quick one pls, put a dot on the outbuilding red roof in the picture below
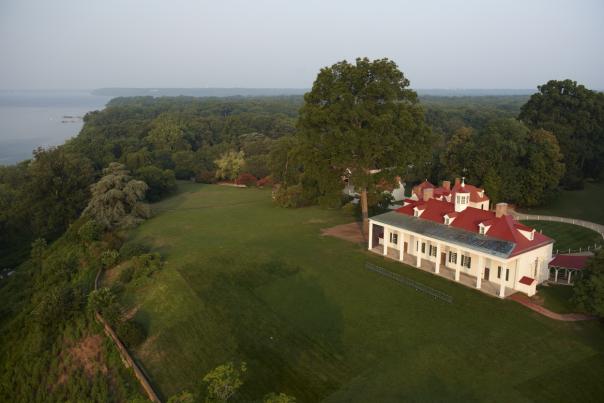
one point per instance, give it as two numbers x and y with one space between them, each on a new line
504 227
569 262
527 280
477 195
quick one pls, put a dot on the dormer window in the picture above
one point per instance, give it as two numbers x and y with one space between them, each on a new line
482 229
447 220
415 212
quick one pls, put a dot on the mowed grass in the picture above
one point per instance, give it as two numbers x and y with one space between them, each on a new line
567 236
585 204
557 298
245 280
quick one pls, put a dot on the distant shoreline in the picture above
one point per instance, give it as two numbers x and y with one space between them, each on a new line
251 92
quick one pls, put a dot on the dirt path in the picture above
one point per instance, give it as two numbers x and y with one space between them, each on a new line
350 232
569 317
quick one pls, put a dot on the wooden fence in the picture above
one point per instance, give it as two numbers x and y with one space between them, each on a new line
436 294
124 354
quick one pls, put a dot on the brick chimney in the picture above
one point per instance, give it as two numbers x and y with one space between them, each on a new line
457 182
447 185
501 209
428 194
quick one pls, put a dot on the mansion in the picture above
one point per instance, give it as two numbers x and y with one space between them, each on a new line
451 232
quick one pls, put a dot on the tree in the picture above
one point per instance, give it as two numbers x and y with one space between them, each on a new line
589 290
229 165
56 190
575 115
116 199
459 151
360 117
104 301
160 182
224 380
167 133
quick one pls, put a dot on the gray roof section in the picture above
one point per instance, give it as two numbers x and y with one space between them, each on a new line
457 236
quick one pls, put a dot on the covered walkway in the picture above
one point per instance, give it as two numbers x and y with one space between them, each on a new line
564 268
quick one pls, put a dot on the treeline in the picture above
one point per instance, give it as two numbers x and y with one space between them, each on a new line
158 139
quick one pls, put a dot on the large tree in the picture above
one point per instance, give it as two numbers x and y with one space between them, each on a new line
575 115
360 117
589 290
117 199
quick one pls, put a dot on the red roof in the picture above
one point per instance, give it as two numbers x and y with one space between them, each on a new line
569 262
527 280
440 191
504 227
472 190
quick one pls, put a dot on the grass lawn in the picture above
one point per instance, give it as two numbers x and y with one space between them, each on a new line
583 204
245 280
556 298
567 235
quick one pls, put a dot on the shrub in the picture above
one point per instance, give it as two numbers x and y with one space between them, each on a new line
206 177
90 231
131 249
246 179
147 264
130 332
109 258
266 181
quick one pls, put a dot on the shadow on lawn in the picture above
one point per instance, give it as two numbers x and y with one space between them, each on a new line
290 339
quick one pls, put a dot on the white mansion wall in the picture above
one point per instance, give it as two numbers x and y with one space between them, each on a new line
525 263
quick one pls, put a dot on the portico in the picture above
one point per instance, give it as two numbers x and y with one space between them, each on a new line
478 270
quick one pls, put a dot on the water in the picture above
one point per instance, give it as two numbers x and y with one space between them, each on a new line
31 119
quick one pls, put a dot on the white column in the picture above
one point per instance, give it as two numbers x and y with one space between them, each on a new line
418 252
370 243
569 273
386 239
458 265
401 240
479 272
437 263
502 282
556 276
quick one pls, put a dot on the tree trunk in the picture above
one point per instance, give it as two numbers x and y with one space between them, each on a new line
365 212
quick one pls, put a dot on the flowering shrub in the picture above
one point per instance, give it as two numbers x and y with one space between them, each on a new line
266 181
246 179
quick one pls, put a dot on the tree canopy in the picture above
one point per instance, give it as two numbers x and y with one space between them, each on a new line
357 118
575 115
117 199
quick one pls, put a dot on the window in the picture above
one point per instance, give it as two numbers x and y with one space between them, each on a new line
466 261
481 229
393 238
423 247
446 220
416 213
452 257
432 250
499 272
507 274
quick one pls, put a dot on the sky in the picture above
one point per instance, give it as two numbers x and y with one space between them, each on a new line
470 44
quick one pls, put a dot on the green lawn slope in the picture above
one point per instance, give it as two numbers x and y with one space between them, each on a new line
245 280
567 236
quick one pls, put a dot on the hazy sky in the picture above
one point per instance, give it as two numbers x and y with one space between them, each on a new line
237 43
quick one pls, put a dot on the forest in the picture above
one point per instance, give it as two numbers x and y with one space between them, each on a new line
59 223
